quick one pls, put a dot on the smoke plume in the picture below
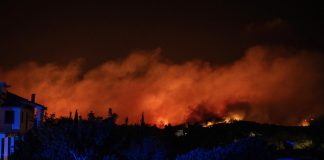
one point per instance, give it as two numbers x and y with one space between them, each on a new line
266 85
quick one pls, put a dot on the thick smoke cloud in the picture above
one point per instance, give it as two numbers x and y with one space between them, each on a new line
266 85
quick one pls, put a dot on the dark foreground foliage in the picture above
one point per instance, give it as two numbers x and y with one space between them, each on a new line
245 149
101 139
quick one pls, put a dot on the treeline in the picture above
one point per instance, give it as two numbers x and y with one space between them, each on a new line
97 138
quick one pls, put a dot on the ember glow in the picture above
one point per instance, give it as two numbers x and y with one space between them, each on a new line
161 123
266 85
304 123
227 119
233 117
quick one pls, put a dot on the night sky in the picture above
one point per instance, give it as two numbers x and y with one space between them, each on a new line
216 31
175 61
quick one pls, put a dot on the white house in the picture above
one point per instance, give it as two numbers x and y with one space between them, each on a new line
17 116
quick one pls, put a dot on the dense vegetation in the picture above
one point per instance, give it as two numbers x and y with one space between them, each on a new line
102 139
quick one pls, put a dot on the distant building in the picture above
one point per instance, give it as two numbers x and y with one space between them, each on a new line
17 116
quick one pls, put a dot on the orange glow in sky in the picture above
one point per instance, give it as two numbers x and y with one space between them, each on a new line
271 86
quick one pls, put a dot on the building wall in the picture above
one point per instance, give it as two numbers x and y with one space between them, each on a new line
21 124
7 146
26 123
4 127
2 136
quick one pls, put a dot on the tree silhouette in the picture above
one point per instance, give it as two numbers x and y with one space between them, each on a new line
76 119
126 121
91 116
142 120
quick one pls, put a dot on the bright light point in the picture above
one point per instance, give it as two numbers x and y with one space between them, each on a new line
161 122
209 124
304 123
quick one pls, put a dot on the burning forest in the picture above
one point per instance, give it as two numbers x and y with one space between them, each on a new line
267 85
157 80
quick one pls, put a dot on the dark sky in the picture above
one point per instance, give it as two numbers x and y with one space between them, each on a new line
277 89
217 31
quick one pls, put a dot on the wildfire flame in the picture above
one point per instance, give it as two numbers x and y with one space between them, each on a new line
269 82
304 123
161 122
229 119
233 117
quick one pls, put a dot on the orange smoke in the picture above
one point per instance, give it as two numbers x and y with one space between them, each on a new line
263 86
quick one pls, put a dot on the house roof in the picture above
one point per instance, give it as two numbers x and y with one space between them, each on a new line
15 100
